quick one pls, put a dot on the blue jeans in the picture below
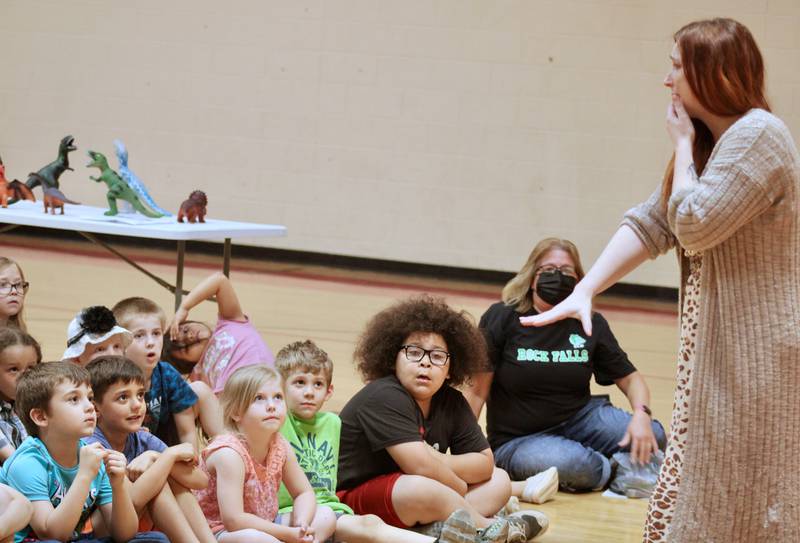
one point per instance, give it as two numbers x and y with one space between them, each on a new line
141 537
579 447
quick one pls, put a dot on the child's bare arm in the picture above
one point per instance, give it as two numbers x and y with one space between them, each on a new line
188 475
207 409
184 425
414 459
153 479
303 498
217 285
120 515
230 472
472 468
58 522
5 452
15 512
139 465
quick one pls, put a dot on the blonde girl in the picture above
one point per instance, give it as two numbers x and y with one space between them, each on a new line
246 466
12 294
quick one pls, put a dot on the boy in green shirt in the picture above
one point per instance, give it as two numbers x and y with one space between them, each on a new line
307 373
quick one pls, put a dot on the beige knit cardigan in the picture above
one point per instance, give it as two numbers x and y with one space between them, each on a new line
741 479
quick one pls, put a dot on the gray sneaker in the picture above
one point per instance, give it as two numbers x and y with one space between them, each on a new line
458 528
526 525
511 506
496 532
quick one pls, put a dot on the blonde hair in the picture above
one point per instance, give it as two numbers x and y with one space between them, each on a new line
17 320
304 356
241 389
518 291
129 308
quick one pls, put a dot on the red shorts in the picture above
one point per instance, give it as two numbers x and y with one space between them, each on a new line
374 497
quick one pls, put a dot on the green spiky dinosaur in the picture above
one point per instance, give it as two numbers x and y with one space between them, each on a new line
117 188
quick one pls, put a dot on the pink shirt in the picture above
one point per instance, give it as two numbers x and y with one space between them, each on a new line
233 345
261 481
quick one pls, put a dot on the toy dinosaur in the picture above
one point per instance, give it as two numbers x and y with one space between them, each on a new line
117 188
48 176
194 208
133 181
54 198
12 190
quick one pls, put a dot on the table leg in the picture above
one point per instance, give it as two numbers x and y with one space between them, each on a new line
179 274
226 258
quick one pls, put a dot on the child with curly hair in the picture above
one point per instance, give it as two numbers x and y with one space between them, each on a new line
411 450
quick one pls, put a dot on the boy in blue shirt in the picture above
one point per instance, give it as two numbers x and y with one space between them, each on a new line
172 403
161 475
65 479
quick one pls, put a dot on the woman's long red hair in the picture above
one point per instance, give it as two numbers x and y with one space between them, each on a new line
725 70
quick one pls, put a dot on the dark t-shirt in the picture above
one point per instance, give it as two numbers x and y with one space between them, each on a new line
169 394
541 375
383 414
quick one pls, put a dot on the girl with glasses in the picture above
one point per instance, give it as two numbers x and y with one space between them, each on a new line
12 294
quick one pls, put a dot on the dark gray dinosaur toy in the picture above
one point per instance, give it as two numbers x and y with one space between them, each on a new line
48 176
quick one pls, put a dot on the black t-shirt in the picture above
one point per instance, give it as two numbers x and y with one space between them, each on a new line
541 375
383 414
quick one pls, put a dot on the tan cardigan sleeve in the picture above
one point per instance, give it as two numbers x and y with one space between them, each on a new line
738 185
648 221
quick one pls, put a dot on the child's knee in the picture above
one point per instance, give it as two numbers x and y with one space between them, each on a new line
368 523
325 519
423 494
500 478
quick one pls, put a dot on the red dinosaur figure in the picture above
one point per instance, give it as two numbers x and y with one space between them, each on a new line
194 208
12 190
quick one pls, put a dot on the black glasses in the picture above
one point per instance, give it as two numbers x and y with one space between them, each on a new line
21 288
550 268
415 353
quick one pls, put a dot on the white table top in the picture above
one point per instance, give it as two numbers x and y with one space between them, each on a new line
91 219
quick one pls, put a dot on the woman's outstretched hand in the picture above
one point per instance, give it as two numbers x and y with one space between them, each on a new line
577 305
679 124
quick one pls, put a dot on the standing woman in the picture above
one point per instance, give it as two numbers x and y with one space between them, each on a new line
729 204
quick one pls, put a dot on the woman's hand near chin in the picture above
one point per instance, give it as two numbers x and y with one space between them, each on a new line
577 305
679 124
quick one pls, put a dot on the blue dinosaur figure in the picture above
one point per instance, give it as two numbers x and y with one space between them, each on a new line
133 181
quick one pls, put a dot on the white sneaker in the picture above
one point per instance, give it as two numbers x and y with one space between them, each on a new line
542 487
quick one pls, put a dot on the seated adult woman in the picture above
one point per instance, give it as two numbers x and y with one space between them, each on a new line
540 412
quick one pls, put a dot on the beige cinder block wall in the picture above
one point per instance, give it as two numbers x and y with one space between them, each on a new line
450 132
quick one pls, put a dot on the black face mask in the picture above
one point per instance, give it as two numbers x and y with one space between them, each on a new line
553 287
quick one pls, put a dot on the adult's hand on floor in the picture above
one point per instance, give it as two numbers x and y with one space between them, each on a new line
639 435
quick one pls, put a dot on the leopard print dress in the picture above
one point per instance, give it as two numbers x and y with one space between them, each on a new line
665 494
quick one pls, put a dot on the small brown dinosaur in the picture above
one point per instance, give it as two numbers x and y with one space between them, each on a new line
194 208
54 198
